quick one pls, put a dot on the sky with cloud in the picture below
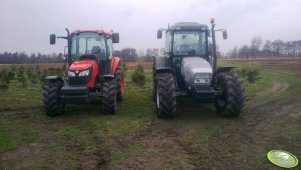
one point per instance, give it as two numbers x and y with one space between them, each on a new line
25 25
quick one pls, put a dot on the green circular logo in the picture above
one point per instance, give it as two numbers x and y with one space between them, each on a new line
282 158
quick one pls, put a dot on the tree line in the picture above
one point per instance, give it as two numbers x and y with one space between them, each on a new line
131 54
126 54
23 58
258 48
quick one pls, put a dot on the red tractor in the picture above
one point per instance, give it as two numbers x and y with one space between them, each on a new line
94 72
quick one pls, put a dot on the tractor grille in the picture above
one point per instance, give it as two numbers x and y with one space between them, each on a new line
76 80
79 80
204 89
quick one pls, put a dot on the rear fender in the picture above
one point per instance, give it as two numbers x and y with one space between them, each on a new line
114 64
53 79
108 77
163 70
161 65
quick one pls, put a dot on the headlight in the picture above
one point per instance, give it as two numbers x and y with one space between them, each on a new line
202 81
202 78
71 74
84 73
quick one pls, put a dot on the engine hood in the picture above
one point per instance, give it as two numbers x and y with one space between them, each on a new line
196 67
82 65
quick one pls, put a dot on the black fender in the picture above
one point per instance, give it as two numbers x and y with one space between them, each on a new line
53 79
108 77
163 70
161 65
223 69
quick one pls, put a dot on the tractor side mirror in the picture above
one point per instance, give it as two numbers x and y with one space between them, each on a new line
115 37
225 35
159 34
52 38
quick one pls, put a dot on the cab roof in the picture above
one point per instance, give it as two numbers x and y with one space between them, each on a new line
187 26
93 31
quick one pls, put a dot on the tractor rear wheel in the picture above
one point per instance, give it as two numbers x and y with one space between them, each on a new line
231 101
119 82
165 95
53 103
109 96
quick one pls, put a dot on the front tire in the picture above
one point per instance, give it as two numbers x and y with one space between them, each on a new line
119 83
109 96
231 102
165 95
52 101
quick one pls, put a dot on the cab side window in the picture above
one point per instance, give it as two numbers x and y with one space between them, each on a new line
110 47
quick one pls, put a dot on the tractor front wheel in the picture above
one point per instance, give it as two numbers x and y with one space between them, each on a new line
53 103
119 82
165 95
109 96
231 101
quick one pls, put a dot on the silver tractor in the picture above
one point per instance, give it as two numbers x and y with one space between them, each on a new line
188 69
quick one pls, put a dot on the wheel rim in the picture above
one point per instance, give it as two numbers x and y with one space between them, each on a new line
157 98
221 100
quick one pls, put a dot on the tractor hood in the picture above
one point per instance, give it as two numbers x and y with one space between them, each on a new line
82 65
196 71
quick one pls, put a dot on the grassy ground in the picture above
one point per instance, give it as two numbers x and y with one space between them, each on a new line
85 138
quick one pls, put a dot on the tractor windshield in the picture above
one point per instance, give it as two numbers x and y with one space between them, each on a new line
88 43
189 43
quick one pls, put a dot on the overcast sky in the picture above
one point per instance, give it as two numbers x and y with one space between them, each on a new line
25 25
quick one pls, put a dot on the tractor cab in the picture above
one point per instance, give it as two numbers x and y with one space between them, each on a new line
95 46
90 46
186 39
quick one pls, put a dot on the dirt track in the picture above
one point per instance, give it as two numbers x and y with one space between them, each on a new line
240 144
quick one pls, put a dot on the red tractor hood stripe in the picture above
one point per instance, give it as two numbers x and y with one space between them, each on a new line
81 65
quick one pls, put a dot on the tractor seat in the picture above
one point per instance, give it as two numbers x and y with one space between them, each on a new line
98 52
95 50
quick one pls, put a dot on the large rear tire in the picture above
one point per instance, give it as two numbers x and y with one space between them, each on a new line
165 95
109 96
119 82
52 101
154 81
231 102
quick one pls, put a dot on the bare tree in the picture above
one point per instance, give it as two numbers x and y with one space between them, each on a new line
267 48
244 51
277 47
256 43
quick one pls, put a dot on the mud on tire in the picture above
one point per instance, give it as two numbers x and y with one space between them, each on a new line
231 102
109 96
52 102
165 95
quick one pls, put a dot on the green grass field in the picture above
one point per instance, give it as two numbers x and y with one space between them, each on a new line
84 137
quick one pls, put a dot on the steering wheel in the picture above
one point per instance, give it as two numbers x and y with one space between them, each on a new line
95 52
192 52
